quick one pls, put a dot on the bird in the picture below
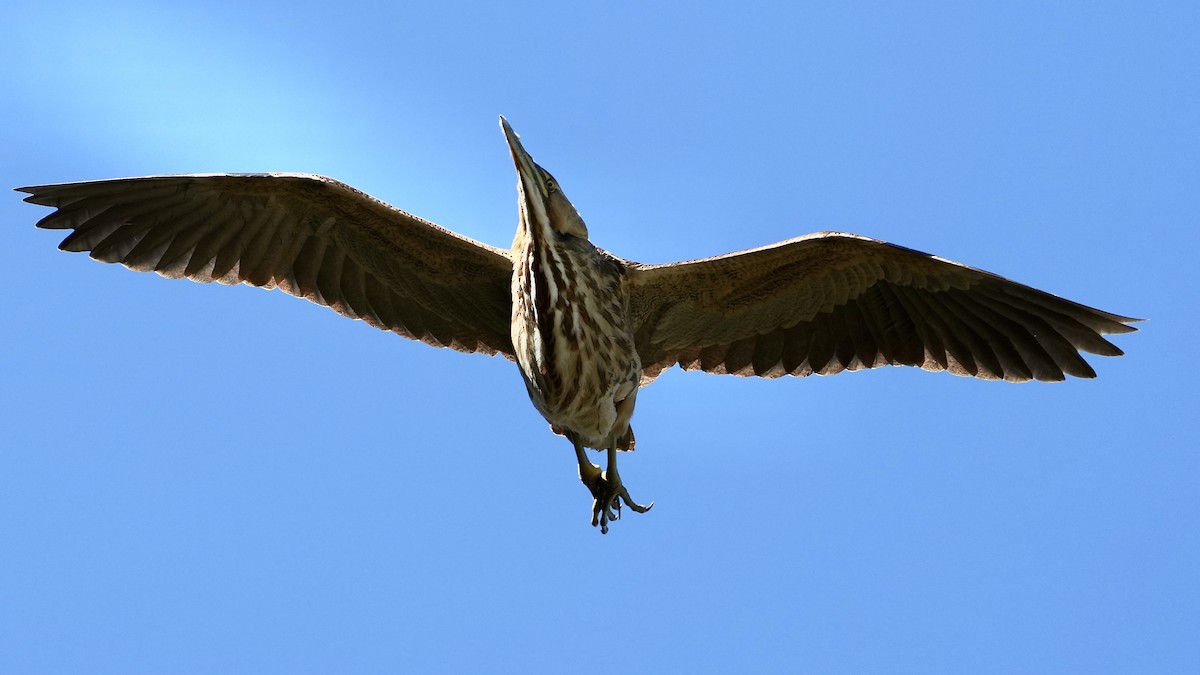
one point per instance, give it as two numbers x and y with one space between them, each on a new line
586 329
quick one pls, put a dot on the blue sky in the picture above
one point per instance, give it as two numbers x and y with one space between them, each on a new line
197 478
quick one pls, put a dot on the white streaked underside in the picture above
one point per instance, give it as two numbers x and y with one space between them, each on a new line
570 315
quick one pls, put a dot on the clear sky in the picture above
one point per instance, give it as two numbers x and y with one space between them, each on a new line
196 478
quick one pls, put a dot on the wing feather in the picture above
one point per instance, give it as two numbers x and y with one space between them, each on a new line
311 236
830 302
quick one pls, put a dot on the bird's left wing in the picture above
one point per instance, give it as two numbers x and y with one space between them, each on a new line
311 236
830 302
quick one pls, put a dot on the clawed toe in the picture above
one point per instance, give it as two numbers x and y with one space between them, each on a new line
637 508
608 495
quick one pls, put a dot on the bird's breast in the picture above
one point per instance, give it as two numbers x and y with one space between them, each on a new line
573 342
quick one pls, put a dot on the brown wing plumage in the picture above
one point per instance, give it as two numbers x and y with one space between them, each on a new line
830 302
310 236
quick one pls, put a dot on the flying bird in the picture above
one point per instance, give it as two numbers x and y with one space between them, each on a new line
586 329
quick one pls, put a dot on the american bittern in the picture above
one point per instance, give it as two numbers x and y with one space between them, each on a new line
586 328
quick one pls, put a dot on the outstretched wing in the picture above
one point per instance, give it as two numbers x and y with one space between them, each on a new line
310 236
830 302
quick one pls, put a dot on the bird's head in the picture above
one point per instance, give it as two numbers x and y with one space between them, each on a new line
544 207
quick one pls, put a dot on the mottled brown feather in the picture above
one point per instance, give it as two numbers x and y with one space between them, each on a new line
829 302
310 236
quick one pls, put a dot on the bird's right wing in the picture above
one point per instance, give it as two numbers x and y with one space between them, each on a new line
830 302
310 236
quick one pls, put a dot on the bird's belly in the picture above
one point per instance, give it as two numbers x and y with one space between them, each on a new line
583 379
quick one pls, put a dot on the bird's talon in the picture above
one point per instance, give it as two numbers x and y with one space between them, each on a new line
637 508
609 495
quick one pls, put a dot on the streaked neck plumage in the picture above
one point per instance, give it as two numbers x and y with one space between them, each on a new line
570 325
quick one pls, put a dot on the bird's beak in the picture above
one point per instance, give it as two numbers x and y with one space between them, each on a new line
542 202
527 170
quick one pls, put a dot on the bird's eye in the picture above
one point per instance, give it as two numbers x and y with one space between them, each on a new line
551 186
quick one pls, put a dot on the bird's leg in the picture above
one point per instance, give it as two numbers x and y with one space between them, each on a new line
619 492
607 490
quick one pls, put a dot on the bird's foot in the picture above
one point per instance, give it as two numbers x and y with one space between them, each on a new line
607 495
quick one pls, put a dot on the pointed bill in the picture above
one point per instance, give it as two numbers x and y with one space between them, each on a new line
528 171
